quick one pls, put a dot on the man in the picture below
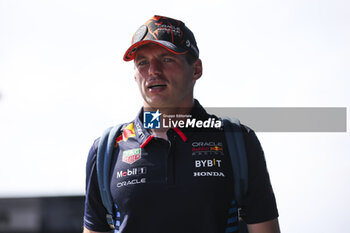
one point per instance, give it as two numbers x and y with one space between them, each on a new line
172 178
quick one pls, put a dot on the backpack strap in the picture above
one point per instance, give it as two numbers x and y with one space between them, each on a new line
104 160
236 148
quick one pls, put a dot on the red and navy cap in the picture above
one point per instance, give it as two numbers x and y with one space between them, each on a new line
169 33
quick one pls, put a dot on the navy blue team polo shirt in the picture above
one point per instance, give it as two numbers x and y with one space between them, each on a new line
183 184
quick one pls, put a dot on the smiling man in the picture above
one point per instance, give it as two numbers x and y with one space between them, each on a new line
176 179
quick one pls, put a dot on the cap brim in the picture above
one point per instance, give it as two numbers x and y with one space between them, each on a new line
130 53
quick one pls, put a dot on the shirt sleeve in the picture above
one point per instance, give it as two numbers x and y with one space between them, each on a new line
95 212
259 203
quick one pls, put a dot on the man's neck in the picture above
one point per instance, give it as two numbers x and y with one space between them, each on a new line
183 109
171 112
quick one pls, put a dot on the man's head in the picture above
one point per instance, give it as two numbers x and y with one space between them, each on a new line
166 62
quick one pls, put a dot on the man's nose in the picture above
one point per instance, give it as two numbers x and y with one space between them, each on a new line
155 67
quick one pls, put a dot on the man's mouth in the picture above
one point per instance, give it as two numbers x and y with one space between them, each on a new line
156 86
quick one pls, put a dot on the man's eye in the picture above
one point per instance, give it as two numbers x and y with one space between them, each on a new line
141 63
167 59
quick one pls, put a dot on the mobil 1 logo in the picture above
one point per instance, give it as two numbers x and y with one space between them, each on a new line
132 172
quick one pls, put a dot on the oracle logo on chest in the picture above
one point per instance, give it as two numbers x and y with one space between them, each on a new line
207 148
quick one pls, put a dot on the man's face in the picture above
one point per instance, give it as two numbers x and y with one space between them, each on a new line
165 79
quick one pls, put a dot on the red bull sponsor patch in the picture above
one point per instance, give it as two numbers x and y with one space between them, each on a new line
207 148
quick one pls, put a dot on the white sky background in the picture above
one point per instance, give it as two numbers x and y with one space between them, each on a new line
63 81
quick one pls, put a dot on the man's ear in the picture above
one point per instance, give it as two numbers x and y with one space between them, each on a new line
197 69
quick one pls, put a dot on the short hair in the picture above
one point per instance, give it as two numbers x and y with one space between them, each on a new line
190 58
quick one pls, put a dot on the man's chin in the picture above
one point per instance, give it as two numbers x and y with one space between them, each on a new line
157 103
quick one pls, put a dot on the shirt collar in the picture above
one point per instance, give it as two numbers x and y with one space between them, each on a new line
144 135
